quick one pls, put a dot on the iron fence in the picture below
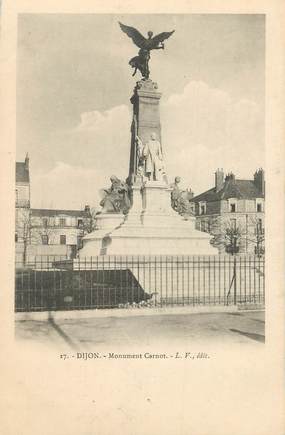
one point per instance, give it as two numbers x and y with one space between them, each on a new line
48 283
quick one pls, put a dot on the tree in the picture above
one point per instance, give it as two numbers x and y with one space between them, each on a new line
31 230
257 236
41 231
231 236
88 224
23 229
227 235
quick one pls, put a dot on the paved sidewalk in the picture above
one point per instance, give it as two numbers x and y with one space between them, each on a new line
245 327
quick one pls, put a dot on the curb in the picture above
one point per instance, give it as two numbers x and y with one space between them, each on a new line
135 312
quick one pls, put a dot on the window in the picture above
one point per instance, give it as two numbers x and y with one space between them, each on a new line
62 238
16 237
232 204
62 222
79 242
45 222
259 227
259 205
203 226
80 223
233 223
202 208
44 239
17 195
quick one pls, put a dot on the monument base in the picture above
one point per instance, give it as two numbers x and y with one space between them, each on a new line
151 227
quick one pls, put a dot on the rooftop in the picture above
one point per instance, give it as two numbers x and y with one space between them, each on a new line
232 188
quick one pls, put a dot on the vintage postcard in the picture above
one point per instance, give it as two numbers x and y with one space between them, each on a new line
143 227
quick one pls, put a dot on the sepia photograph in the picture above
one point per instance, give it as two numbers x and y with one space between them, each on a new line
142 184
140 181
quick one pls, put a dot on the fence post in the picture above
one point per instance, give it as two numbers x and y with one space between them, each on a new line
235 280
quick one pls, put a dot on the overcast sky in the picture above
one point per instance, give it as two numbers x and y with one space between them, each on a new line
74 85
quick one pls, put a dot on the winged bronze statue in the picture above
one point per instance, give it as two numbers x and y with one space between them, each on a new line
145 45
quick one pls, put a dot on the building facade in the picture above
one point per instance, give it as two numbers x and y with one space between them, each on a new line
22 207
233 212
58 232
49 232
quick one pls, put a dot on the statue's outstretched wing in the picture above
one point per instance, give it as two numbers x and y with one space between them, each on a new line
160 38
133 33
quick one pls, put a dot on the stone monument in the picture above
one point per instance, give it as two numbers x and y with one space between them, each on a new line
180 198
150 225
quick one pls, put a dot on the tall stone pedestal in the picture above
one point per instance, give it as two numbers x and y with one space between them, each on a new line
151 227
146 120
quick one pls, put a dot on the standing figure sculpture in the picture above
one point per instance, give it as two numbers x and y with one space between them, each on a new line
145 45
150 156
116 199
140 162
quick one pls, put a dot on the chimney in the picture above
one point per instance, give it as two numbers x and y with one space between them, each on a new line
230 177
190 194
259 180
27 161
219 179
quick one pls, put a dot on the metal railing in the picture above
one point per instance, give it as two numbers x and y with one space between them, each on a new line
134 281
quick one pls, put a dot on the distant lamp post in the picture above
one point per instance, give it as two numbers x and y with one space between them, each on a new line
233 249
